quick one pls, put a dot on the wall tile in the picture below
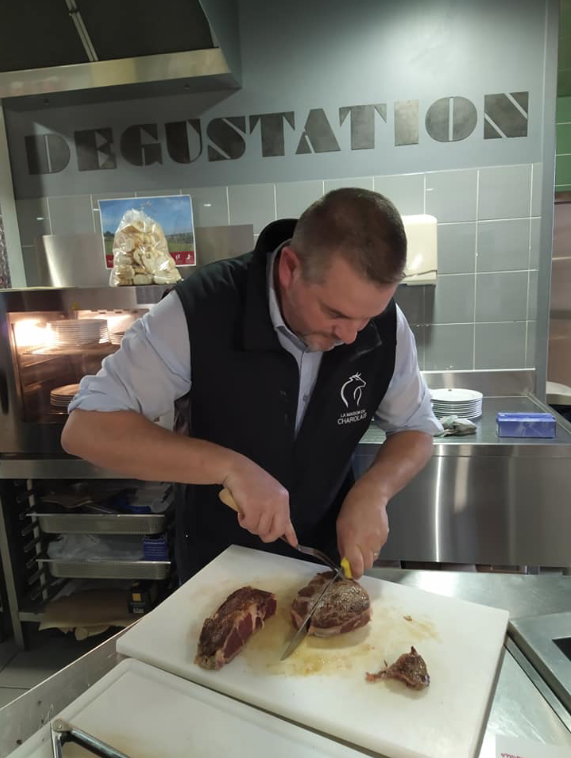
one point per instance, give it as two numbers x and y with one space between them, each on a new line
563 172
500 345
418 331
448 347
292 198
71 214
109 196
411 301
365 182
33 219
501 297
536 185
563 138
252 204
209 205
406 191
451 301
456 248
152 192
532 296
504 192
451 195
535 243
530 344
563 112
503 245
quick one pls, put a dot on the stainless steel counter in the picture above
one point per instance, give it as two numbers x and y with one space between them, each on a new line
486 441
483 499
518 708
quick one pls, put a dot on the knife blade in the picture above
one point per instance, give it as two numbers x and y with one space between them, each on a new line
299 636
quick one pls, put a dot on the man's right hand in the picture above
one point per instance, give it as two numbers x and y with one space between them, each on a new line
262 501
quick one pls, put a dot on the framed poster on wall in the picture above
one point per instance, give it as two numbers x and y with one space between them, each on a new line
153 219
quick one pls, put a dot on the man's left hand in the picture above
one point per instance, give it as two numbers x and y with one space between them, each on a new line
362 527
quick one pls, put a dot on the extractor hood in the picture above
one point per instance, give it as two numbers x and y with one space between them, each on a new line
50 48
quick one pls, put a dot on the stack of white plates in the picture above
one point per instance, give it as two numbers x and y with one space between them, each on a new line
61 397
116 337
457 402
78 332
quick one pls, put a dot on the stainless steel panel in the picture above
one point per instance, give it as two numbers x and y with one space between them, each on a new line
81 76
91 523
106 569
71 260
483 510
214 243
536 637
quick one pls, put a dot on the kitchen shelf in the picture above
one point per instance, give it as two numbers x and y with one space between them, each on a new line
100 523
106 569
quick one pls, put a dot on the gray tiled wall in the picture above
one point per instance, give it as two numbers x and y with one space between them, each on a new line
481 313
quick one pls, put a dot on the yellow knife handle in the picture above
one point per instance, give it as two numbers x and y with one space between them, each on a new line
346 566
228 499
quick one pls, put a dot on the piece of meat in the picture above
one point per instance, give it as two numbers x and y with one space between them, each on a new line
409 668
226 632
345 606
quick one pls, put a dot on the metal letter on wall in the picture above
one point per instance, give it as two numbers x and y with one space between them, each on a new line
94 149
406 122
46 154
178 142
362 123
505 115
272 129
227 136
136 151
317 135
451 119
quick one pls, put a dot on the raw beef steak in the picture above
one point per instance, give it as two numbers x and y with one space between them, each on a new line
345 606
225 633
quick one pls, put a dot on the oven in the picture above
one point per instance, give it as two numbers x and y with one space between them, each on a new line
49 339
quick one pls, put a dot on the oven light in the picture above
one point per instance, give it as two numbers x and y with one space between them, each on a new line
30 332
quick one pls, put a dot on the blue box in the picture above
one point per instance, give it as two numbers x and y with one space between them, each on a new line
538 425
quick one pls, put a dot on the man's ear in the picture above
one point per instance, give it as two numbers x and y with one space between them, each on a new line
289 266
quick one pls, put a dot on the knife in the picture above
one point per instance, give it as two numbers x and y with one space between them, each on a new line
301 633
340 570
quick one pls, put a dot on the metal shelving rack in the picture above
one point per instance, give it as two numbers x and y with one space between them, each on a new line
31 578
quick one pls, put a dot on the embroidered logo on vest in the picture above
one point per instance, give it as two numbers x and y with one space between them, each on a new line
351 395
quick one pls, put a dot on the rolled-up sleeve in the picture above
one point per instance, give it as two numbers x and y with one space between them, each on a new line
150 370
407 405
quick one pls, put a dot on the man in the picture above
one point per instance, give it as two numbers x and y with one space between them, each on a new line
278 360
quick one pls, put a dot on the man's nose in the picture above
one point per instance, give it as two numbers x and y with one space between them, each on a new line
346 332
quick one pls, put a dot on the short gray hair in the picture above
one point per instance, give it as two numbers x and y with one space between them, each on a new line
361 226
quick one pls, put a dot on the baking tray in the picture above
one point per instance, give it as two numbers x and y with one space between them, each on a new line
100 523
106 569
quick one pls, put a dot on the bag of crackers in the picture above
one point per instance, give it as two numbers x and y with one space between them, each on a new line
140 253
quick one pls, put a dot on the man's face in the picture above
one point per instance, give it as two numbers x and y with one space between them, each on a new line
325 313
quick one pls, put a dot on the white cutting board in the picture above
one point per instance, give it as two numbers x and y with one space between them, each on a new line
322 685
147 713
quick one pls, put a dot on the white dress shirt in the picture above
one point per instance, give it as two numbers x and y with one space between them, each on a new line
152 370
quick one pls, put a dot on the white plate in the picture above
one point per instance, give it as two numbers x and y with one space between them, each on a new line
455 395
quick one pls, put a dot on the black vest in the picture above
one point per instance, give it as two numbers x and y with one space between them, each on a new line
244 397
